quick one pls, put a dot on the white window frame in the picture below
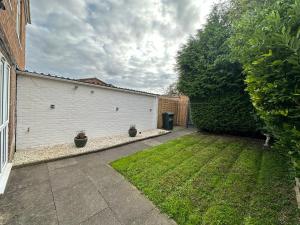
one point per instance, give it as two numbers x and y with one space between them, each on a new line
4 120
5 167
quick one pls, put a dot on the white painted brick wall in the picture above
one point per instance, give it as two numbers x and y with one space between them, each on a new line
76 110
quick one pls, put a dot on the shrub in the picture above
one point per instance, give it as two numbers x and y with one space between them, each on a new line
214 83
224 113
266 41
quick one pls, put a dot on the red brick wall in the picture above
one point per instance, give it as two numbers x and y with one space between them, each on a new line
8 25
16 51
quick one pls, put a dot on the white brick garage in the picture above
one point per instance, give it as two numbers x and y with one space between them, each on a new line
52 110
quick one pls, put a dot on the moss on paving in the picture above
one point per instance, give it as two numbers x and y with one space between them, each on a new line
207 179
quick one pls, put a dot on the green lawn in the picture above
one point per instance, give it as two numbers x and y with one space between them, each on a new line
206 179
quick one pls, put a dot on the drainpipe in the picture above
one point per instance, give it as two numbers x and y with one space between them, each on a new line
16 104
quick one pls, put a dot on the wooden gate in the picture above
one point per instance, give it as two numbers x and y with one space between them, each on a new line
178 105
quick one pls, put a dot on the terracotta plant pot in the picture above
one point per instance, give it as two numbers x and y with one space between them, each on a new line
79 142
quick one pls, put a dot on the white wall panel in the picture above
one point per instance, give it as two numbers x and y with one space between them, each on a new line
88 108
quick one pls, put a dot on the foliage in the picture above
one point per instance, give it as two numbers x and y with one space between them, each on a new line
172 90
214 83
266 40
81 135
208 179
224 113
132 127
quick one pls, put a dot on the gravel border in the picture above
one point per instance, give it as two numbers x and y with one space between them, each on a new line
35 156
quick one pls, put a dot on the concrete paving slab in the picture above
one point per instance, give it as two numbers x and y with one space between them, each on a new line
31 205
116 153
127 202
66 177
28 176
103 176
90 160
78 203
61 164
44 217
154 217
105 217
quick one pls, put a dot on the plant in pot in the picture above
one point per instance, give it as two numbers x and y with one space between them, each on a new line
80 140
132 131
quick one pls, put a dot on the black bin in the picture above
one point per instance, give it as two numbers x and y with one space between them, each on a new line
168 120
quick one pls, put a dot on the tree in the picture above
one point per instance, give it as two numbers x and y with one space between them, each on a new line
215 83
172 90
266 41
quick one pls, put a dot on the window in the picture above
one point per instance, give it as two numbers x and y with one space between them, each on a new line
18 19
4 112
1 87
4 91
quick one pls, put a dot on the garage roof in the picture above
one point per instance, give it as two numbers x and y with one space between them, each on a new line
71 80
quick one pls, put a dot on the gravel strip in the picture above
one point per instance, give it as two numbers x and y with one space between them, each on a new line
43 154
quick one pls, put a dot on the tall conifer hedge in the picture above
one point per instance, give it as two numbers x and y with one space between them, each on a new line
215 83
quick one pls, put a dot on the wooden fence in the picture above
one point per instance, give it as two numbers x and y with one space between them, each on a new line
177 105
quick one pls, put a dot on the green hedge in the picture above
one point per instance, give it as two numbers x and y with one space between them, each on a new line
228 113
267 43
214 82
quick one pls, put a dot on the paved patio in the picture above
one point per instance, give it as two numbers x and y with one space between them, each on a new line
82 190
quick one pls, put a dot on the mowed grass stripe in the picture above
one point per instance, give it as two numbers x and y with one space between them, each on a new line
196 194
165 150
158 155
231 198
174 179
215 184
273 194
145 177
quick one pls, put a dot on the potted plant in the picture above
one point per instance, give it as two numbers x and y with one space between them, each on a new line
132 131
80 140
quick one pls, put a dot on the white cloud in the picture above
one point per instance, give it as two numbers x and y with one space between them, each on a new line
129 43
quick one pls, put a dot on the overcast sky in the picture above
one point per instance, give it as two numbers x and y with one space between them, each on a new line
129 43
